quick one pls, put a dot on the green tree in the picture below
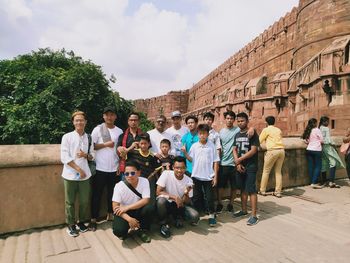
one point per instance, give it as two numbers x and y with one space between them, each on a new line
39 91
145 124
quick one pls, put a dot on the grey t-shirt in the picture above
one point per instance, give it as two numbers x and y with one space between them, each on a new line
227 138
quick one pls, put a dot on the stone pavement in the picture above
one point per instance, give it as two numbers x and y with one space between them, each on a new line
306 225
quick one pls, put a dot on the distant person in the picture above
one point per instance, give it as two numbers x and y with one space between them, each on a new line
246 158
174 192
176 131
128 140
214 136
314 139
105 137
227 170
274 155
204 157
330 158
76 173
189 139
346 139
158 134
130 199
166 159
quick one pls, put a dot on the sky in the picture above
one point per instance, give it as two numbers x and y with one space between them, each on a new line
151 47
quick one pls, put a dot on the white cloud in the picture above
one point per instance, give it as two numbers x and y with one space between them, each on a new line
151 50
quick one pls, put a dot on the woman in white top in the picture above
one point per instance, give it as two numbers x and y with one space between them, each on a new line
313 137
76 173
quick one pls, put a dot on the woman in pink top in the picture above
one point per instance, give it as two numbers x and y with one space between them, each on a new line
313 137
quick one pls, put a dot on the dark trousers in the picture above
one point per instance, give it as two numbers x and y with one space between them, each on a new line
121 226
314 161
347 161
166 208
203 195
99 181
152 202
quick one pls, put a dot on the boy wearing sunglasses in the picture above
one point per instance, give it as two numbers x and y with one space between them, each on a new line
129 201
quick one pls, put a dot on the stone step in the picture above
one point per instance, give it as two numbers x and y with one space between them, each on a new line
34 249
100 251
9 249
21 249
46 244
126 254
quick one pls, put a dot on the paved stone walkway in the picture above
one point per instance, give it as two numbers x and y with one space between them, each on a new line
306 225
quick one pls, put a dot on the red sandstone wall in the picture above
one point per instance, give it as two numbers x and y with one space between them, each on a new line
285 46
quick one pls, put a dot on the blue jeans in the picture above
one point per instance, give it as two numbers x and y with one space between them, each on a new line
314 161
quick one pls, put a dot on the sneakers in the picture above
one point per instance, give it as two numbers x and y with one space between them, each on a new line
333 185
92 226
253 220
165 231
72 231
229 207
212 220
143 236
82 228
316 186
219 208
239 214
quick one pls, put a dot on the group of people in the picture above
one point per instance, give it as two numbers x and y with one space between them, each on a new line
174 172
321 153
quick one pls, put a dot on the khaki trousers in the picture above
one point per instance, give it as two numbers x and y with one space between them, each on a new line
273 158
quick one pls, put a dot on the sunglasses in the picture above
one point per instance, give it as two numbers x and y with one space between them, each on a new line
130 173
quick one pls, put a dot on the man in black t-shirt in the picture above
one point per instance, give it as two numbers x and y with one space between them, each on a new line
246 159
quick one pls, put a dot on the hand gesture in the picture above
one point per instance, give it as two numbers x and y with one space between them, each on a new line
82 173
179 202
120 210
133 223
81 154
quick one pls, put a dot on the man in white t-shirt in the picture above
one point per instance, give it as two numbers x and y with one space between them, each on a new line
130 199
174 192
105 137
176 131
157 135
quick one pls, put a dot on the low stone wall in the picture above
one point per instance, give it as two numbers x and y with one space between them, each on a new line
31 187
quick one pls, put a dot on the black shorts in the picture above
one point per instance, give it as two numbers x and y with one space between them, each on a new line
246 181
227 174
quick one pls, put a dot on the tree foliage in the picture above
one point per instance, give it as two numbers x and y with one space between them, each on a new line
39 92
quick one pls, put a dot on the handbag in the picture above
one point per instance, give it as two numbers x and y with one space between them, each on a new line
344 147
92 164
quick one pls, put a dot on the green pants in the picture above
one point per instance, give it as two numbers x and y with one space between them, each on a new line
71 190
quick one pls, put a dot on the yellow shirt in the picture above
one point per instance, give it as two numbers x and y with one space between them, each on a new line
273 137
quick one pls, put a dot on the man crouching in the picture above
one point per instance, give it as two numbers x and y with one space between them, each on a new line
129 202
174 190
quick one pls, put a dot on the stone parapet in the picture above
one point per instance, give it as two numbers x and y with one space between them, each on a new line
31 186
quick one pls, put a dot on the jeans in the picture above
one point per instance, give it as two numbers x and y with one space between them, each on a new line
99 181
203 195
314 161
347 161
165 208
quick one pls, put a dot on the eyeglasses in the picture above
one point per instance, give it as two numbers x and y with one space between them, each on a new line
130 173
160 121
